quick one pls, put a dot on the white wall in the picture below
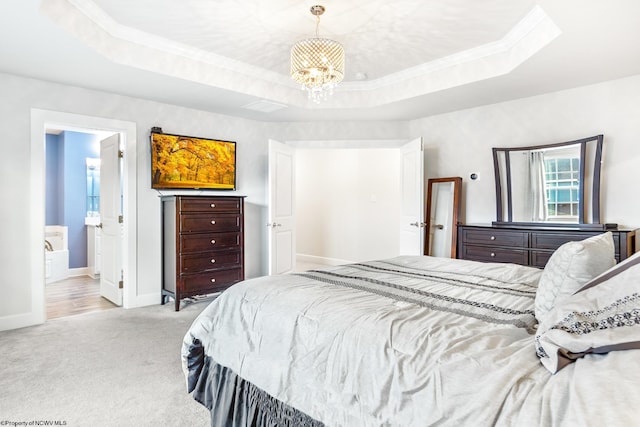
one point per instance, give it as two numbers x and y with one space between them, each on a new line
21 95
379 133
457 144
347 204
460 142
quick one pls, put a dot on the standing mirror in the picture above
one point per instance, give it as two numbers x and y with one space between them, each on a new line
549 185
443 212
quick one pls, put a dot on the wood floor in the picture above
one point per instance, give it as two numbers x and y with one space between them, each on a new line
74 296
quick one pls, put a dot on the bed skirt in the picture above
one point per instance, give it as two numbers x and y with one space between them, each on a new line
235 402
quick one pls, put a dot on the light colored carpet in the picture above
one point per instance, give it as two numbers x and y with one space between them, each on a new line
110 368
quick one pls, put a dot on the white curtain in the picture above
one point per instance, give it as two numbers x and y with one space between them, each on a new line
537 186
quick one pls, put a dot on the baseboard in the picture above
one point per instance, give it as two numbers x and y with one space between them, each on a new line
81 271
20 321
321 260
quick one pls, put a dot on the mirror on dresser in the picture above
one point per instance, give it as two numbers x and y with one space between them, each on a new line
549 185
546 196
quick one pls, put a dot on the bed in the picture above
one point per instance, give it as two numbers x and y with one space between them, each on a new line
422 341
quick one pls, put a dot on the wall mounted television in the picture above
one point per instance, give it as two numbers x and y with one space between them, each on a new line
185 162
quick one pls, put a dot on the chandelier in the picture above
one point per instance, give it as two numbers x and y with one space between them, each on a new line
317 63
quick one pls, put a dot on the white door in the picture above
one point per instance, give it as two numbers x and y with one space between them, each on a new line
281 221
412 190
111 237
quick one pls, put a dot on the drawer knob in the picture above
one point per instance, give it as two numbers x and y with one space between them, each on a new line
493 254
213 261
213 280
213 242
493 238
213 205
213 222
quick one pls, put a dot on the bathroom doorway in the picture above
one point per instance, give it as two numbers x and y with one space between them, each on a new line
73 227
41 120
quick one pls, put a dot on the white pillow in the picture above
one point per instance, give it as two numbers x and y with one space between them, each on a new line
570 267
601 317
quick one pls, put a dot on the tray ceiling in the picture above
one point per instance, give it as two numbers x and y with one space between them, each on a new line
399 55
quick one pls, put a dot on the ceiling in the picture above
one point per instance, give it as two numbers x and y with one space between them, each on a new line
404 59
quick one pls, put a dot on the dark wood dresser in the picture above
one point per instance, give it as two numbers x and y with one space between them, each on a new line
202 245
529 246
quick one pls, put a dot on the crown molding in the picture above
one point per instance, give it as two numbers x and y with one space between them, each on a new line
135 48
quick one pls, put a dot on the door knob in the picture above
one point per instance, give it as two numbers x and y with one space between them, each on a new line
439 226
274 225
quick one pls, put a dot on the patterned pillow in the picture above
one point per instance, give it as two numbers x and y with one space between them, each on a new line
602 316
570 267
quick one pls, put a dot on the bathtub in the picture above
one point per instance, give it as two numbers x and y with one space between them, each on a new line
56 253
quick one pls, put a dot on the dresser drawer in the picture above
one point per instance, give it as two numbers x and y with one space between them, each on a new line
195 223
553 241
496 237
540 258
210 282
209 242
209 261
491 254
199 204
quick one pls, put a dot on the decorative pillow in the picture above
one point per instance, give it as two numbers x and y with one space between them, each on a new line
602 316
571 266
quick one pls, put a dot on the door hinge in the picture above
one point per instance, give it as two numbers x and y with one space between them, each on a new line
121 284
120 219
120 154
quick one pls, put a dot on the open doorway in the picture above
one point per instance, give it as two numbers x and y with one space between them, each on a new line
73 227
358 200
41 120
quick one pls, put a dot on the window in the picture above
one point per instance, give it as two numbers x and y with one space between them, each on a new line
562 183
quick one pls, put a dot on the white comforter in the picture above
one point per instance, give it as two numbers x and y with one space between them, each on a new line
411 341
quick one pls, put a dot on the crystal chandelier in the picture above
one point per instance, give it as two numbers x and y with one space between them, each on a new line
317 63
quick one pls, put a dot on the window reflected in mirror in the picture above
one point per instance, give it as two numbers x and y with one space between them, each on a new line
562 185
